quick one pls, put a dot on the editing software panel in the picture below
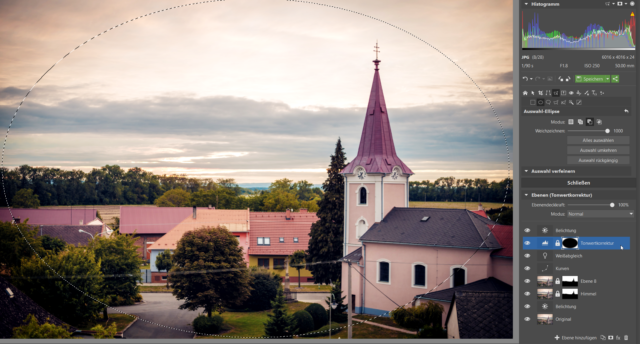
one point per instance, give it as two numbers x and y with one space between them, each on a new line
578 170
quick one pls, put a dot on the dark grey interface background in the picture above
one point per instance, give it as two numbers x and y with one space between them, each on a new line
576 169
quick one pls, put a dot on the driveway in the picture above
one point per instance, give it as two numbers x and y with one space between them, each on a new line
162 309
314 298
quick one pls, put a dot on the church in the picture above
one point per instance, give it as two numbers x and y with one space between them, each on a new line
403 256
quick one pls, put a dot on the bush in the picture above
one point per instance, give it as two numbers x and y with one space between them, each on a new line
34 330
265 286
207 325
105 333
432 332
429 314
324 330
302 322
319 314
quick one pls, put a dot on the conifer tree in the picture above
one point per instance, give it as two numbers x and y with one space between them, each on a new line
326 242
337 314
279 323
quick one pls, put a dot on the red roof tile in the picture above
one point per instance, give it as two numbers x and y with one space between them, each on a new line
480 212
69 216
275 226
504 234
148 220
377 152
233 220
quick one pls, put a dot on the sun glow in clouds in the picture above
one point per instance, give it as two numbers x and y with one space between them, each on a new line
219 155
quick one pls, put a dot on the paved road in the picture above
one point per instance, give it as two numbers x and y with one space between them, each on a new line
160 308
313 298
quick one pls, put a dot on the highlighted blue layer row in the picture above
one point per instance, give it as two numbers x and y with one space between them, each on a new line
583 243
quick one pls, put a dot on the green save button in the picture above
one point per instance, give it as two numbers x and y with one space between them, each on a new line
593 79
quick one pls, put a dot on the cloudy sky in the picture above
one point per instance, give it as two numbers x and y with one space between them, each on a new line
254 90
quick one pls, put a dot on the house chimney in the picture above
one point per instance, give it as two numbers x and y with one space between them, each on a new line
480 206
209 206
81 222
194 211
288 216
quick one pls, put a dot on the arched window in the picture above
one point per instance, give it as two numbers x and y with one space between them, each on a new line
458 276
419 275
361 228
363 196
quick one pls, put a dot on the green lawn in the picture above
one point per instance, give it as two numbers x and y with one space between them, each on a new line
380 320
145 267
251 325
309 288
457 205
121 320
154 289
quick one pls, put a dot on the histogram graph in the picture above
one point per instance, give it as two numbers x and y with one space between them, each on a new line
594 35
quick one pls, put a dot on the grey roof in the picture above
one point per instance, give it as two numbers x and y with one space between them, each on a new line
483 314
486 284
70 234
444 228
15 310
354 256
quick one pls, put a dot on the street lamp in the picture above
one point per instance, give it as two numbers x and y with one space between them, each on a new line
81 231
333 304
107 232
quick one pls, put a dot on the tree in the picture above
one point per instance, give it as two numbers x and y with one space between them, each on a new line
25 198
319 314
296 260
337 314
302 322
52 244
264 289
280 200
206 250
17 241
61 298
326 242
279 323
120 264
32 329
163 261
174 198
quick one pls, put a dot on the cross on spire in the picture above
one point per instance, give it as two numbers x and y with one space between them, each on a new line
376 49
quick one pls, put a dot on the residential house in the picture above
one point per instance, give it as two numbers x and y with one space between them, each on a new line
72 235
236 221
150 224
64 216
465 321
399 252
276 235
16 306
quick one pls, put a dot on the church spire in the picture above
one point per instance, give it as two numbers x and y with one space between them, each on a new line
377 152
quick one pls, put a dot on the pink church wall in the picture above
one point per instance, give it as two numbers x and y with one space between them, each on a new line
356 211
438 262
394 196
502 269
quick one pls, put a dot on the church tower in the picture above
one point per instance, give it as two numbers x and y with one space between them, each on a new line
376 180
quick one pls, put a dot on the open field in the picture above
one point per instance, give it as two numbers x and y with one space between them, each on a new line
457 205
309 288
107 212
154 289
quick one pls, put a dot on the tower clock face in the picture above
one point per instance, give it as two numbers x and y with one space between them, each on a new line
361 173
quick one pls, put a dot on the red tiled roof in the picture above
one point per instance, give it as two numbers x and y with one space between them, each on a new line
70 216
480 212
377 152
504 234
233 220
148 220
274 226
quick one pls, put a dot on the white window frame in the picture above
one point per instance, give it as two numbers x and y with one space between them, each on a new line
466 274
260 241
295 239
366 224
413 275
266 241
358 196
382 260
164 278
281 239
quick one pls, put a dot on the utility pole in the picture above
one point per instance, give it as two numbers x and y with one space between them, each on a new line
349 314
